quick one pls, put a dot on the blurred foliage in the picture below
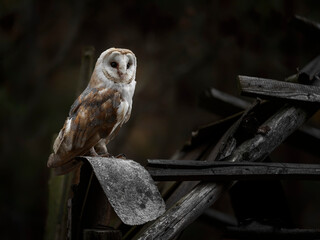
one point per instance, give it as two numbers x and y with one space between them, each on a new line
183 47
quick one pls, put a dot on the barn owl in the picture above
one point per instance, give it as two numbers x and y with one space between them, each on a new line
98 113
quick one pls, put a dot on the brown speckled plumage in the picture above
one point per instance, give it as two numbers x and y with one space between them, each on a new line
98 113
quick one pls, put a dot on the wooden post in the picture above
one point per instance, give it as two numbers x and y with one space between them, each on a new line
57 226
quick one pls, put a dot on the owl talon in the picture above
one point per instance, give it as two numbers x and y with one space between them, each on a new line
92 152
122 156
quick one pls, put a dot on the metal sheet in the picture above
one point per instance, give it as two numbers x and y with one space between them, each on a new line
129 188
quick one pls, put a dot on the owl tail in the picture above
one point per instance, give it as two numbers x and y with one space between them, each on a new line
54 161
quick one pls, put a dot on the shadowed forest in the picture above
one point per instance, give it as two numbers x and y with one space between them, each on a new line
182 47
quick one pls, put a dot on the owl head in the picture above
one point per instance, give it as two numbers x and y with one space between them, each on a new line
116 65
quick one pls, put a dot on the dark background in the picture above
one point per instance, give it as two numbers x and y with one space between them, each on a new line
182 47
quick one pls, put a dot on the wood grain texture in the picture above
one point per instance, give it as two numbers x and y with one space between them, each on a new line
226 171
189 208
268 88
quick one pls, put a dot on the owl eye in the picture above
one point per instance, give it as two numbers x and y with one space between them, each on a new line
114 64
128 65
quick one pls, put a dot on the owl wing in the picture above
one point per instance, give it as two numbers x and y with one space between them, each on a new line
93 116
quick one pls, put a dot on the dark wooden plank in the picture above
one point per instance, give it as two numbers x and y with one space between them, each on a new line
268 88
239 171
193 164
259 231
101 234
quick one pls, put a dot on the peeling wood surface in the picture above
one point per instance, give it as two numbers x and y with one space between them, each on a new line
226 171
252 86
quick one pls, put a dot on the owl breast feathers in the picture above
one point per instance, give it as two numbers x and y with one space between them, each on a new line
99 112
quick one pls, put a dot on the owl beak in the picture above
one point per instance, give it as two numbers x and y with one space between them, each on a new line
121 73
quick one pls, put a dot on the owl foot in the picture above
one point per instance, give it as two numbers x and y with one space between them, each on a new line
92 152
106 155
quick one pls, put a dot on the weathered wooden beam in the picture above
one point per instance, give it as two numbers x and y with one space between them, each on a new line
227 171
279 127
268 88
193 164
306 137
185 211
